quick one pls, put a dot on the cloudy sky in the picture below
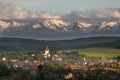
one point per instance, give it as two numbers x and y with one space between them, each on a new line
63 6
63 10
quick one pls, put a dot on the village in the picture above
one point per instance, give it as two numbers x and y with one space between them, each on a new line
71 61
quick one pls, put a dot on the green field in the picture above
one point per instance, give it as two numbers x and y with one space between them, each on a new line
99 52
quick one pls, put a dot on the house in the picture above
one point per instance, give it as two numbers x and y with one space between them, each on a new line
55 57
34 67
4 59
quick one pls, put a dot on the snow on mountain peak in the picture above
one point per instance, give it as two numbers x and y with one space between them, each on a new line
84 25
7 24
16 24
36 25
59 23
4 24
53 24
110 24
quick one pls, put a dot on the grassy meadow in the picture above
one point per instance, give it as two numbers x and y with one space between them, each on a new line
98 52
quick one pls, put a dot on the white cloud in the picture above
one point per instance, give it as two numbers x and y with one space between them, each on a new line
93 14
105 13
8 11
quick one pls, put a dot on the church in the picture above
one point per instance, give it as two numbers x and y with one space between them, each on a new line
53 57
47 53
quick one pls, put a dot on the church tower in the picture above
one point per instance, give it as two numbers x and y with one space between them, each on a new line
85 61
47 52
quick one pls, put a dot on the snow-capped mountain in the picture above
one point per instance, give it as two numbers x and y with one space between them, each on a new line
5 24
49 28
53 24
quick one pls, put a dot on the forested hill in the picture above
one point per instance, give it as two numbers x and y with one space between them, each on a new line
20 44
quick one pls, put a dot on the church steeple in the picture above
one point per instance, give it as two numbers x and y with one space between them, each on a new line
46 48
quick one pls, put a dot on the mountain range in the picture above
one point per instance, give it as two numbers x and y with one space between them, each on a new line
58 29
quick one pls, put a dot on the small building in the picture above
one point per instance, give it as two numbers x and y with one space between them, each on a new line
55 57
4 59
34 67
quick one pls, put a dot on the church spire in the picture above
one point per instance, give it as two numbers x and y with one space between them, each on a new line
46 48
